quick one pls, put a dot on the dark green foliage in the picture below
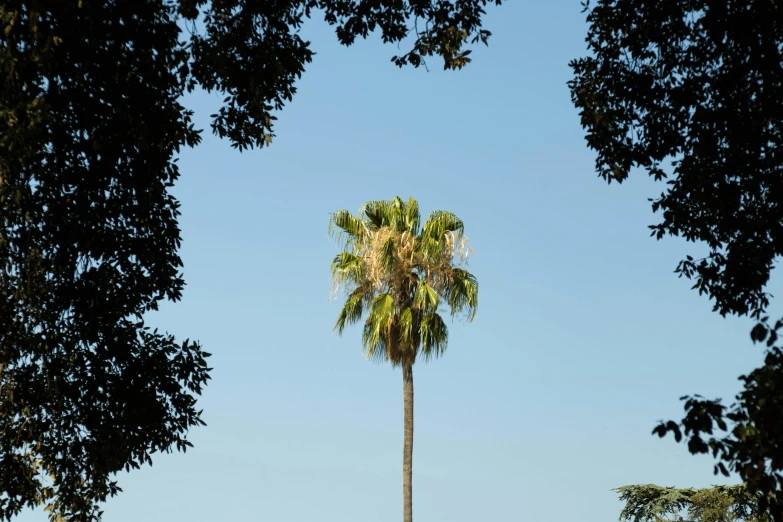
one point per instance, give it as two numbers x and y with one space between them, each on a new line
441 28
681 89
252 52
748 436
651 503
88 243
90 126
686 91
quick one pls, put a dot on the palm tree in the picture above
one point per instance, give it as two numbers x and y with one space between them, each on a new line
402 274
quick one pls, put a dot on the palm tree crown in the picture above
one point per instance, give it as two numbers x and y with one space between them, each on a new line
402 274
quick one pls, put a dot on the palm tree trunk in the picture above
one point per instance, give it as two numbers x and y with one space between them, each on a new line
407 448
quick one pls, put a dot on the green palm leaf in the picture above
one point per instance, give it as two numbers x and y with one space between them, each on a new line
439 222
376 212
387 254
347 227
379 323
412 217
434 336
439 235
407 326
425 298
395 214
353 308
347 267
462 293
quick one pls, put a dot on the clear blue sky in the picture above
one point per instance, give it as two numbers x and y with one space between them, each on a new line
583 340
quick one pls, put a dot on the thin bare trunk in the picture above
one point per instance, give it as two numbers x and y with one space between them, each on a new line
407 449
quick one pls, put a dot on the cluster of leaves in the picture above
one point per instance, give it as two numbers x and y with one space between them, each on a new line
683 90
90 126
747 437
651 503
397 271
440 28
252 51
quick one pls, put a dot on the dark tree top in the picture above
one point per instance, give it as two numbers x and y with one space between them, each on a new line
91 122
252 51
690 90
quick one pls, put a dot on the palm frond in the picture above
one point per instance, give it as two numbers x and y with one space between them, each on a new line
387 254
430 250
377 352
439 222
439 236
353 308
376 213
348 267
462 293
434 336
344 225
407 325
380 320
394 214
397 214
425 298
412 216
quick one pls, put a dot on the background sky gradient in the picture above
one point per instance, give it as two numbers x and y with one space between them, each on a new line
583 340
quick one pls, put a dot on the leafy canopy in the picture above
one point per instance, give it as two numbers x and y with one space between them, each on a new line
91 122
651 503
683 90
401 274
89 125
252 51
